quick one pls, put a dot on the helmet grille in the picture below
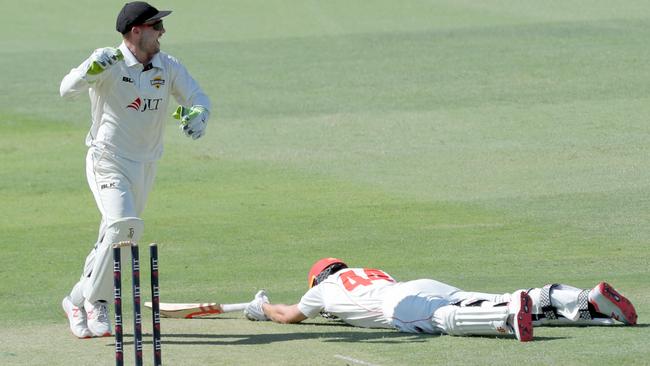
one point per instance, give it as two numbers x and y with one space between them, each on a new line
330 270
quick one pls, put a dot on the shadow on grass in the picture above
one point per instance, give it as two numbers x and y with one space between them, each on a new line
256 339
383 337
268 338
362 336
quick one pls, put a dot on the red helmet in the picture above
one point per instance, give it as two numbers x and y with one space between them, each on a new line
320 266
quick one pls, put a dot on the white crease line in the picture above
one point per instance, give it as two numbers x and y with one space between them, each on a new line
354 360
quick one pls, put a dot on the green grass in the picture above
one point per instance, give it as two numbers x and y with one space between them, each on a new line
492 145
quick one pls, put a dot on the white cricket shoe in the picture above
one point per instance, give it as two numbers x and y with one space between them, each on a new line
99 323
521 308
608 301
76 318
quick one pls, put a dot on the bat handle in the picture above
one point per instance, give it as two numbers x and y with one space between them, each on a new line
227 308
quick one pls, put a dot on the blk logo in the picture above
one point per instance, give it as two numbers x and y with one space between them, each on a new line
143 105
108 185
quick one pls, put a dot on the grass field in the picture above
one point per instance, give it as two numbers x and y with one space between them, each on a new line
493 145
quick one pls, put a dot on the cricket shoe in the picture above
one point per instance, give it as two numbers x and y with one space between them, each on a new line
99 323
521 308
76 318
608 301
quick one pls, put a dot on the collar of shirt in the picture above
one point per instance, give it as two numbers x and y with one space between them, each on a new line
130 60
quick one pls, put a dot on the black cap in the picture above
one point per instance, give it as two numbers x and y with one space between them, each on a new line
137 13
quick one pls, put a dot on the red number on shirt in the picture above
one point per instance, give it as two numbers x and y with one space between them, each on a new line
351 280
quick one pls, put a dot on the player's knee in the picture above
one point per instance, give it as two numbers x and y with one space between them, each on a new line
125 229
444 318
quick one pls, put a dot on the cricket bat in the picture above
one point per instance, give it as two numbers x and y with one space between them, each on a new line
189 311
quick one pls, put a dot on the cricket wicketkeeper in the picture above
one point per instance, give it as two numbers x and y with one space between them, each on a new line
129 88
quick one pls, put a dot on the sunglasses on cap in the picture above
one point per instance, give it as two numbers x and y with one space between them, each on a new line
158 25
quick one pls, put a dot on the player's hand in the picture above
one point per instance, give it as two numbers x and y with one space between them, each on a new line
254 309
102 59
193 120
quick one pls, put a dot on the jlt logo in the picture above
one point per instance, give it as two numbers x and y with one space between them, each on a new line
146 104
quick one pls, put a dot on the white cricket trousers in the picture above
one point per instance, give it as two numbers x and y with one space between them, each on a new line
411 305
120 187
425 306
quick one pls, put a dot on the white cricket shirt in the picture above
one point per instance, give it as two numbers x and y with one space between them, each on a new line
355 295
129 102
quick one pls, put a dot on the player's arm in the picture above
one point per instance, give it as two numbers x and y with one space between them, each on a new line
260 309
90 71
194 109
185 89
310 305
74 82
281 313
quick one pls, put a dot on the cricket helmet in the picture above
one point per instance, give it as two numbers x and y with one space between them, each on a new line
323 268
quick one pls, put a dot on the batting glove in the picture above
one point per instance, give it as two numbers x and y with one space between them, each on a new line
102 59
193 120
254 309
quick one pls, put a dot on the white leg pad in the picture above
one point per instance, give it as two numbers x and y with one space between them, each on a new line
566 302
457 320
99 284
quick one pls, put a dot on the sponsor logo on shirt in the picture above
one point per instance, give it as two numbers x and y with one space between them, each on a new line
127 79
146 104
135 104
157 82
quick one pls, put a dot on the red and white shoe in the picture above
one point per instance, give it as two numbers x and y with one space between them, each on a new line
76 318
99 323
608 301
521 306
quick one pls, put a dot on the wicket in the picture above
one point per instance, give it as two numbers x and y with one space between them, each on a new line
137 310
155 304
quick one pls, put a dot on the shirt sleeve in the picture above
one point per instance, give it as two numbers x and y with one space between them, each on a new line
77 81
312 303
185 89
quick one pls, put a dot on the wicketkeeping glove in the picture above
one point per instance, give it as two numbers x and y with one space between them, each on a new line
254 309
102 59
193 120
